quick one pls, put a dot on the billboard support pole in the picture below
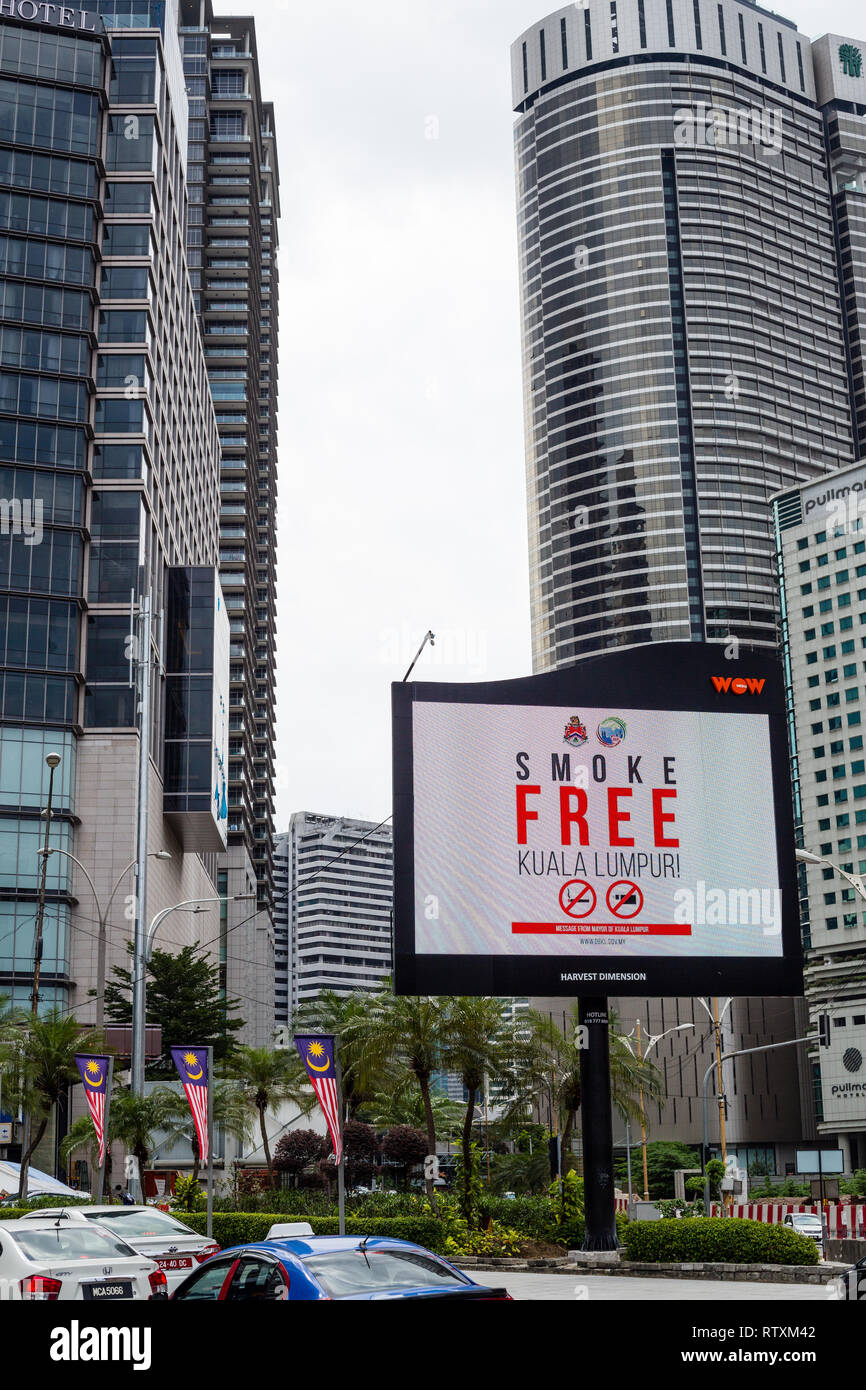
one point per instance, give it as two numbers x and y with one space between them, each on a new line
597 1128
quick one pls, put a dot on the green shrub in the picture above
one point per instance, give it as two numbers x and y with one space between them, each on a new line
241 1227
723 1239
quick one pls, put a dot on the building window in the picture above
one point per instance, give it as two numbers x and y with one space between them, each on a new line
781 57
697 9
563 36
763 55
670 12
722 30
587 31
801 544
525 70
614 32
641 21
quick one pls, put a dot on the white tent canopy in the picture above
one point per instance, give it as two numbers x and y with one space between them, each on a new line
38 1184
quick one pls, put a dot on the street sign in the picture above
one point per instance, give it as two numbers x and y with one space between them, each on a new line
6 1131
620 826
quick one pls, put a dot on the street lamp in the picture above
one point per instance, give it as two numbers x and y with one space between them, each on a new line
161 854
805 856
716 1019
642 1056
53 761
139 975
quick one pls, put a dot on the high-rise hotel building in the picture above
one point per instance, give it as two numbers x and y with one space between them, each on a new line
232 242
690 185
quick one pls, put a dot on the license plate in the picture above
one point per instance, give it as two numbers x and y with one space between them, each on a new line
184 1262
119 1288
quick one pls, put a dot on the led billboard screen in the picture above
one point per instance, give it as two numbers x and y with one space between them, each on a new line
623 826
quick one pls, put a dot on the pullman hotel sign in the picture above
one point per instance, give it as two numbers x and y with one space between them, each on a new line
63 16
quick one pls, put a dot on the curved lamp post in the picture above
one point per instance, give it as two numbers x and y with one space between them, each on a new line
162 854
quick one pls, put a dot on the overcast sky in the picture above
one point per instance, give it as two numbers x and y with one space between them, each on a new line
401 462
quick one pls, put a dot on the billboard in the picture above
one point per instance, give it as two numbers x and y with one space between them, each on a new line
623 826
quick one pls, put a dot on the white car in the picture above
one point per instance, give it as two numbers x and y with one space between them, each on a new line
49 1261
805 1223
176 1249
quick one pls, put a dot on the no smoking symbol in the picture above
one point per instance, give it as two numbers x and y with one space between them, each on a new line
624 898
577 898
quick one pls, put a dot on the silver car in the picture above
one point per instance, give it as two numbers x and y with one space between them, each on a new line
50 1261
176 1249
805 1223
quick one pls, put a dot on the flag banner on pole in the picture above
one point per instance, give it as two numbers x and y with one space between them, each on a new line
317 1055
94 1074
191 1066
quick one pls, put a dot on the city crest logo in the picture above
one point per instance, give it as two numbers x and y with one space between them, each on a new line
611 731
575 732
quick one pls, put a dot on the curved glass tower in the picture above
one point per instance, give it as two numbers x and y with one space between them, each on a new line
684 352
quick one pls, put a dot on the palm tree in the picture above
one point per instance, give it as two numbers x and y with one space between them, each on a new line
405 1106
132 1122
343 1015
264 1079
135 1119
40 1056
561 1066
401 1034
480 1044
230 1113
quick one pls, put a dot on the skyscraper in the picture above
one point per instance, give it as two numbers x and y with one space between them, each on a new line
334 920
108 434
684 350
232 242
689 189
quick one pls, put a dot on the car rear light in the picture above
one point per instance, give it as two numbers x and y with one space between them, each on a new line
202 1255
41 1289
158 1283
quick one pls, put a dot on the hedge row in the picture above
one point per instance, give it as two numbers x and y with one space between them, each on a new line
728 1240
240 1227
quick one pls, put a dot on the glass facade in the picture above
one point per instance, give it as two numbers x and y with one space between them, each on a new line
51 96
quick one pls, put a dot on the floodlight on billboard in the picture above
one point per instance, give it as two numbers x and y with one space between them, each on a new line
621 826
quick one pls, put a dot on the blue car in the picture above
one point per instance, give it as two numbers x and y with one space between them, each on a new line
293 1265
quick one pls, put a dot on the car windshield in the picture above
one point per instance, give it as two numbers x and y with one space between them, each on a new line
131 1223
342 1273
67 1242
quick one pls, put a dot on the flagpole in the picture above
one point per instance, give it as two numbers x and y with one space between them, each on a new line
341 1166
109 1078
210 1086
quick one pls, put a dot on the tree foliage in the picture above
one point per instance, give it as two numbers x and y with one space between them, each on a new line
404 1145
297 1148
184 999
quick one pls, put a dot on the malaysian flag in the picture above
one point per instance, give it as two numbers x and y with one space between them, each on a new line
191 1065
317 1055
94 1074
